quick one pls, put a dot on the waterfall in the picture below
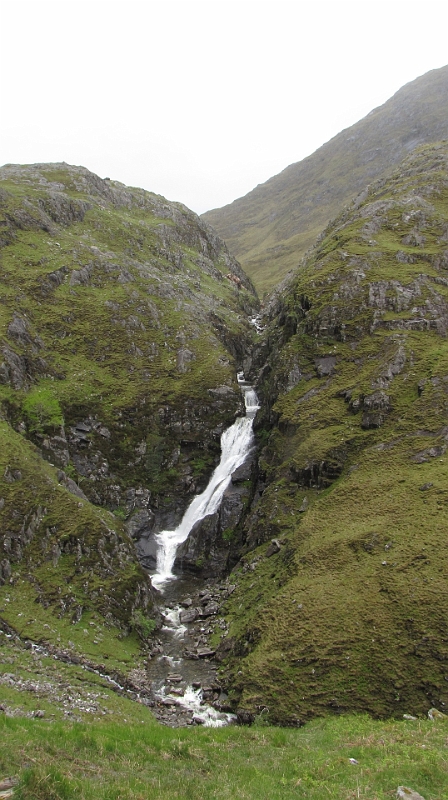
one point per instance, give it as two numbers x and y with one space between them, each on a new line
236 443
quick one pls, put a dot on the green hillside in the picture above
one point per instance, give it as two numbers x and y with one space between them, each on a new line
271 228
123 321
347 609
120 315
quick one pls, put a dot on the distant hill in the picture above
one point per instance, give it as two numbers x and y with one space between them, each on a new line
271 228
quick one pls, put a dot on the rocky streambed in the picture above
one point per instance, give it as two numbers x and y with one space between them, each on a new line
182 669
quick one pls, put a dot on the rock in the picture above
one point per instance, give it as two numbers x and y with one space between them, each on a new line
184 356
198 720
6 784
188 615
209 610
294 377
206 652
81 277
304 505
174 677
409 717
11 475
14 369
244 717
7 788
404 793
141 524
70 484
375 409
434 713
244 472
273 548
325 366
232 506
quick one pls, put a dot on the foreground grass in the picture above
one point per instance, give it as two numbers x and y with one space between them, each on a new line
109 760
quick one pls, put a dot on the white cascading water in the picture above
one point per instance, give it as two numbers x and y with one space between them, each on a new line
236 443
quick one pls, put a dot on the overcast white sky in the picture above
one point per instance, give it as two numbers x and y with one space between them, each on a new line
201 100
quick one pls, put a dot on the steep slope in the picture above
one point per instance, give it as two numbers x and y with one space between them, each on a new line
271 228
122 318
346 609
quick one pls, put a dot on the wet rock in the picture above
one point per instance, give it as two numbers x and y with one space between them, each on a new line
191 655
222 391
188 615
175 677
206 652
244 472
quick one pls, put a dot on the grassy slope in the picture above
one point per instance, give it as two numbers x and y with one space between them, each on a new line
351 613
101 288
93 743
271 228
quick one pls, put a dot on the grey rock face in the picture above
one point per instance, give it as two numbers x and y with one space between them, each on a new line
184 356
13 370
376 407
325 366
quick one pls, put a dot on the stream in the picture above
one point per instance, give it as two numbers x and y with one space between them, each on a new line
182 671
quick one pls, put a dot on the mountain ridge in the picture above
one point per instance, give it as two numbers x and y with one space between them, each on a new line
272 227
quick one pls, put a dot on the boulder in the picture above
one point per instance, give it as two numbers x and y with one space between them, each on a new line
273 548
404 793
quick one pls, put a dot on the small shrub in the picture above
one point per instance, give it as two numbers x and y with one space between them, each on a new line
228 535
42 410
143 626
